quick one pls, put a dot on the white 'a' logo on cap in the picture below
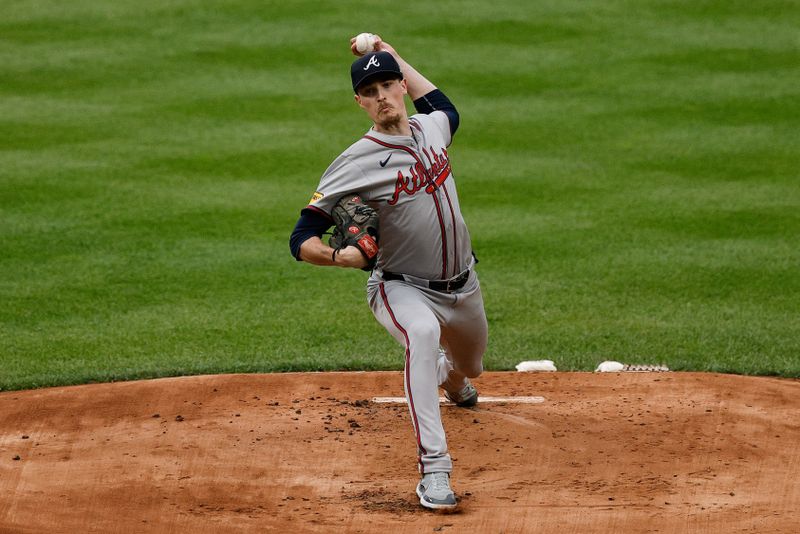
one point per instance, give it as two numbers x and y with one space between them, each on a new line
372 61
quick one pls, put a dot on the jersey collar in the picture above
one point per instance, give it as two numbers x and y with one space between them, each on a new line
406 140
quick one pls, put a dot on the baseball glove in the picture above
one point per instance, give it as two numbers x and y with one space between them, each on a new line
356 225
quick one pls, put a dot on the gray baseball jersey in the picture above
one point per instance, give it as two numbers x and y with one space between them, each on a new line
409 182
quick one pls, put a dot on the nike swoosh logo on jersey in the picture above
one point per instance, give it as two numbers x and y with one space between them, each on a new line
384 162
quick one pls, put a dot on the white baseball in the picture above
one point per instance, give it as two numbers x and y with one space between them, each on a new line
365 42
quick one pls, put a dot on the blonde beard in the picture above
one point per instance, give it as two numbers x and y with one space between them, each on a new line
390 122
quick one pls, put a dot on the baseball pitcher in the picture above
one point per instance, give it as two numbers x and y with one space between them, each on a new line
393 200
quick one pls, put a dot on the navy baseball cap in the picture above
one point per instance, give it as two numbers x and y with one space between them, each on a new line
374 64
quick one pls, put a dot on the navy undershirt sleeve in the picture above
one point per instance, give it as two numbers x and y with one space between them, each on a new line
437 101
311 223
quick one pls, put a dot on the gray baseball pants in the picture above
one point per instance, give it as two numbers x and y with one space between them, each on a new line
421 320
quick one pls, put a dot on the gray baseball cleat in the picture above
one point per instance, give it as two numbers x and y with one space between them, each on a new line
434 492
466 397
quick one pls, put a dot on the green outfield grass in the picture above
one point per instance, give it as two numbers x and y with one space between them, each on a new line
629 171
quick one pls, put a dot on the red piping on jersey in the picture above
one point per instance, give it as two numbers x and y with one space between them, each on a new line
455 238
440 182
444 235
432 186
407 373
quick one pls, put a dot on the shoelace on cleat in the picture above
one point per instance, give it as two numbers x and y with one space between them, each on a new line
440 482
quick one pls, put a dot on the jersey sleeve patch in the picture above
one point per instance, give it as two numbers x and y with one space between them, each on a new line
316 196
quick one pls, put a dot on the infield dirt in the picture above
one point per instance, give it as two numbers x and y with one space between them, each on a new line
628 452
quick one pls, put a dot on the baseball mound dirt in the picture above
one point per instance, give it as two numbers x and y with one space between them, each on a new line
627 452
